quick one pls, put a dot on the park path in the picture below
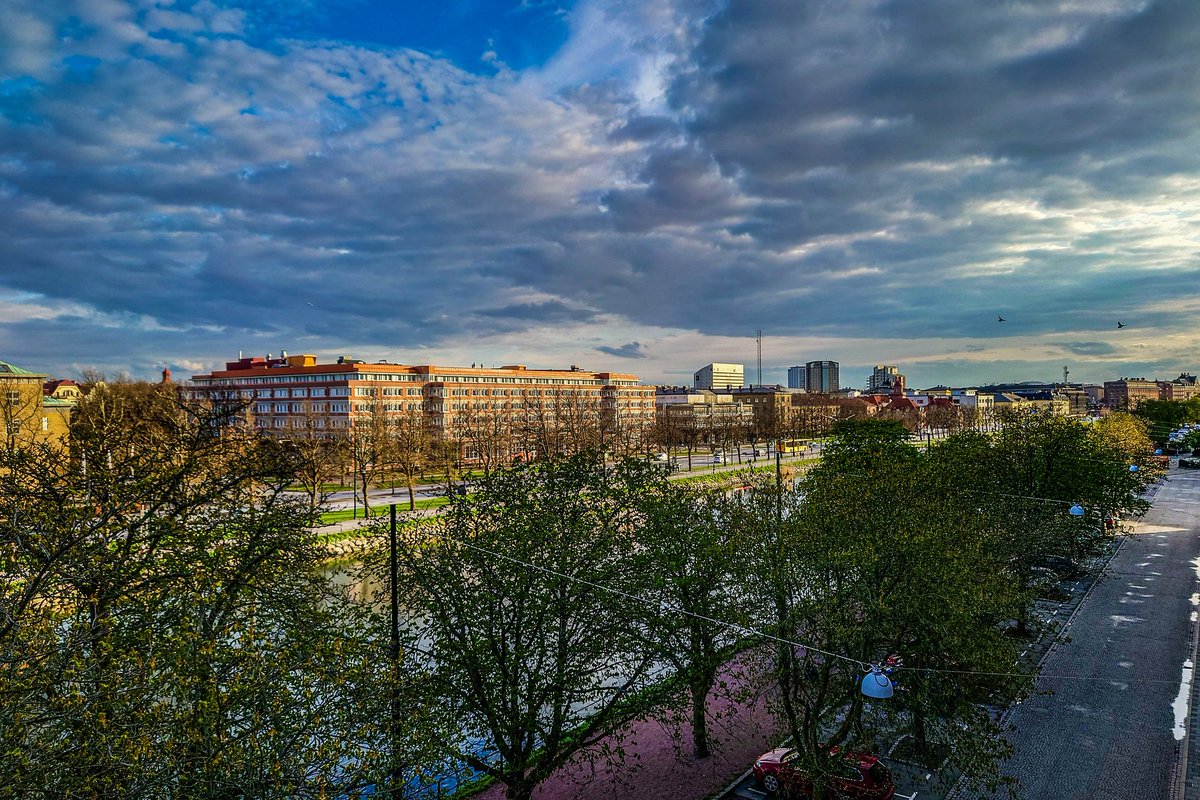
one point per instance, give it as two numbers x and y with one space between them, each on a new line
660 764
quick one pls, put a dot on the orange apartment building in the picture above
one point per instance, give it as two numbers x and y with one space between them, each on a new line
297 391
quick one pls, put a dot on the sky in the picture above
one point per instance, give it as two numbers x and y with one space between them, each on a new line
630 186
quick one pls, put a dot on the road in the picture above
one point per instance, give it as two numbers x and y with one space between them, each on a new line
702 463
1111 715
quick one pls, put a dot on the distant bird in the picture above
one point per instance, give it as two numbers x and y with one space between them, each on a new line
1000 319
1120 324
307 303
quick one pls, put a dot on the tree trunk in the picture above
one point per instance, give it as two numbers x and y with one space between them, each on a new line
700 747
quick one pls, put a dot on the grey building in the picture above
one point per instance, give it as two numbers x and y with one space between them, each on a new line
821 377
797 378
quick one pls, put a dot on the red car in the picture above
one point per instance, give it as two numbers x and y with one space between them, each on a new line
859 776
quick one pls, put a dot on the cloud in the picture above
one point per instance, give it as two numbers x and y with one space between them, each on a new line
843 177
630 350
1089 348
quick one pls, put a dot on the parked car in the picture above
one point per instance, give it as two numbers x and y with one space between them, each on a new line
661 457
858 776
717 459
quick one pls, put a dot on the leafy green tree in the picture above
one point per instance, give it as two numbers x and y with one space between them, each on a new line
1164 416
165 630
874 557
512 624
689 558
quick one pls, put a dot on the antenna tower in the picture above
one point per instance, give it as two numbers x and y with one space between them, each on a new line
759 339
1066 372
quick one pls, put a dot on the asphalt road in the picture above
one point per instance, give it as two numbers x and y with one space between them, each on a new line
1109 721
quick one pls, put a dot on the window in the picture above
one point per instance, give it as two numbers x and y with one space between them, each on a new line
14 428
14 397
45 423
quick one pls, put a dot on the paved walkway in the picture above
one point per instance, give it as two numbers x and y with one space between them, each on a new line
1109 719
660 764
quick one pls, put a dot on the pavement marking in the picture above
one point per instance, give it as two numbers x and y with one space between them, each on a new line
1180 703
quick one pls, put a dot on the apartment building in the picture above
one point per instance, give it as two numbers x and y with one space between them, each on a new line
1128 393
26 415
884 378
296 391
1182 388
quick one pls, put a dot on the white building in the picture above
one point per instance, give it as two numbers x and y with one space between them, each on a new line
720 376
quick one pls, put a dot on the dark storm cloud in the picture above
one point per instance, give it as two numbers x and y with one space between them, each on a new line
631 350
851 168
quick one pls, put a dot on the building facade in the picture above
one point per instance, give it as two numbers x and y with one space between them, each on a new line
294 392
1182 388
883 378
821 377
797 378
1128 393
26 414
700 410
720 376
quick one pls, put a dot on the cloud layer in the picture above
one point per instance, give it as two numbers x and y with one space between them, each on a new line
864 181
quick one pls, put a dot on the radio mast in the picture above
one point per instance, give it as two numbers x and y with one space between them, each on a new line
759 339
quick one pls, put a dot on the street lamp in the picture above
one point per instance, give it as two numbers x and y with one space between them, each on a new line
876 685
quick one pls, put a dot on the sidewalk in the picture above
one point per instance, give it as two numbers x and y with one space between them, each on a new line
659 763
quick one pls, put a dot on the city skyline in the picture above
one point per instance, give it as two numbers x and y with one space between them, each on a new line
634 187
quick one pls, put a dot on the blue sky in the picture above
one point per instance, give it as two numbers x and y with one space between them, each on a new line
622 185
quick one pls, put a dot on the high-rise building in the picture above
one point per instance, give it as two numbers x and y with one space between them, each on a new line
797 378
720 376
883 378
821 377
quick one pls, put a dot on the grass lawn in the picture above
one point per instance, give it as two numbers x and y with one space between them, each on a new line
341 515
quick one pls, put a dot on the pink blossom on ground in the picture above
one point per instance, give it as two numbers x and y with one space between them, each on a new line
659 762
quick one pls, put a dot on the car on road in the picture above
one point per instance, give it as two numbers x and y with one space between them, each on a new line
856 776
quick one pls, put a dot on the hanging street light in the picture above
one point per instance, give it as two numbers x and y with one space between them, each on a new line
877 685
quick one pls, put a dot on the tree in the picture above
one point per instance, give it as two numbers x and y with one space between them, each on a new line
874 557
486 433
370 443
1164 416
319 452
166 631
413 448
687 558
533 658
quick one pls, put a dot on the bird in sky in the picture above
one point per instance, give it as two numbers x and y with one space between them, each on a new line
1120 324
307 303
1000 319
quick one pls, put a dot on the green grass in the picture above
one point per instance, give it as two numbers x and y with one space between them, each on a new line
341 515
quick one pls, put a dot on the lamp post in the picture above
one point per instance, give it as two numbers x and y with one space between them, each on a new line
394 705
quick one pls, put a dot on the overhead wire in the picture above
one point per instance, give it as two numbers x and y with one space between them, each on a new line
747 630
